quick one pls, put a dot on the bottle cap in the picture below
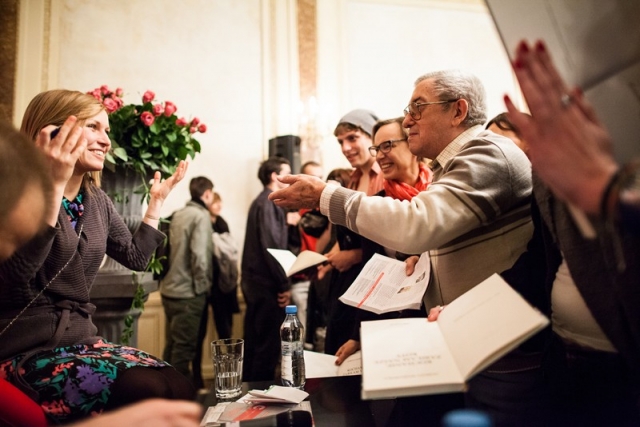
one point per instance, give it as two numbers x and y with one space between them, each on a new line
291 309
466 418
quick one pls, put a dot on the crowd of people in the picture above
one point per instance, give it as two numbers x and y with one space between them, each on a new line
478 196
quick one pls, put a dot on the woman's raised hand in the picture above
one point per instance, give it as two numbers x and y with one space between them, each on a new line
62 151
161 189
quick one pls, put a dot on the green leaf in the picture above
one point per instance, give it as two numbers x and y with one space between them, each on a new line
172 136
120 153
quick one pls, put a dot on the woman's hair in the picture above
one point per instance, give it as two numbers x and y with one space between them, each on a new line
216 197
53 107
381 123
503 122
340 175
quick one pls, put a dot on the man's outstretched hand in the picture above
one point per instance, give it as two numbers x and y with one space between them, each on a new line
303 192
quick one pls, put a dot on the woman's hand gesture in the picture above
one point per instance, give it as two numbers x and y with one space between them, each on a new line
161 189
62 151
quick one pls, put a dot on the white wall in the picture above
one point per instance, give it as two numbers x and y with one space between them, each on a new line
233 64
371 52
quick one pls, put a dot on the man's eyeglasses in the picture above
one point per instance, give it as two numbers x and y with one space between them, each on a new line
414 110
385 147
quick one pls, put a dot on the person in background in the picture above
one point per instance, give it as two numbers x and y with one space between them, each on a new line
340 176
264 284
45 322
26 190
301 282
185 287
223 305
312 168
591 282
474 219
353 133
501 125
316 224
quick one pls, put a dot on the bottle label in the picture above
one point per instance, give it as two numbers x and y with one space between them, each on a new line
286 368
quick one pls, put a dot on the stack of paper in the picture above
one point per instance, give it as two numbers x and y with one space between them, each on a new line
276 394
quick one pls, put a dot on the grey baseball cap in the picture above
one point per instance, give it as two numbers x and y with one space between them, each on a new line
364 119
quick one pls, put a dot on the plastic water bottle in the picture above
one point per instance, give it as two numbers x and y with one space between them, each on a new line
292 346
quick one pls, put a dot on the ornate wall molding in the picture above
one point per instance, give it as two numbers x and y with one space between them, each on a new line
8 56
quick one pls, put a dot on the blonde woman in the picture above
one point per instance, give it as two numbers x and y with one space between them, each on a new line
48 343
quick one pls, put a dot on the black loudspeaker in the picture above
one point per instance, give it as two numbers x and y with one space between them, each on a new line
287 146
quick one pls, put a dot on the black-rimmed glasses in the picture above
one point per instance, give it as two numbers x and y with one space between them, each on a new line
384 147
414 110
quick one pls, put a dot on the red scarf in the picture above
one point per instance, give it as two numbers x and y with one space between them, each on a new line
402 191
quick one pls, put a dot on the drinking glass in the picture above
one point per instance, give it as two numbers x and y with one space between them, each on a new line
228 355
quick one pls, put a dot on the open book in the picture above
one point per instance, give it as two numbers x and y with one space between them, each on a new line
408 357
383 286
292 264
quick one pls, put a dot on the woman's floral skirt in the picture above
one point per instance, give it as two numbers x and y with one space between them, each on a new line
73 382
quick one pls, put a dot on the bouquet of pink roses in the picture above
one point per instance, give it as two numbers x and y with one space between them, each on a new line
148 136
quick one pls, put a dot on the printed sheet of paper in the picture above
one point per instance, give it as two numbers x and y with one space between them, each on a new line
320 365
383 286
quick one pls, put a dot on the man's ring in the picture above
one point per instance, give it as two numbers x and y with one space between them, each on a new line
566 100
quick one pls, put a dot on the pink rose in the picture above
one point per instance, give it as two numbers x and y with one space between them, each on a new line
119 91
148 96
157 110
147 118
110 105
202 128
104 89
193 129
96 94
195 121
169 108
181 122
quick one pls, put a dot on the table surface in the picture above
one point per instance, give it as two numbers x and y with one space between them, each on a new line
336 402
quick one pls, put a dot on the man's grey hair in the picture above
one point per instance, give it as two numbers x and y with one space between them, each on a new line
455 84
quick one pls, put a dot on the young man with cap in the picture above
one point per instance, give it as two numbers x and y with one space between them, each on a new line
354 136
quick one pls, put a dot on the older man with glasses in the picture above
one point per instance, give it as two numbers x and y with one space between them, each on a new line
474 219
